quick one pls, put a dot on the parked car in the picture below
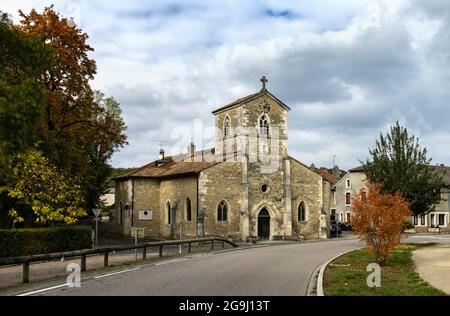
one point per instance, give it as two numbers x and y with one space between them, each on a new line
345 227
335 230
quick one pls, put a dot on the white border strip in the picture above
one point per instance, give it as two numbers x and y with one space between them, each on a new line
324 266
115 273
45 290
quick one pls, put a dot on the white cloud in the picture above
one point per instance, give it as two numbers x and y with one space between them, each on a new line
348 69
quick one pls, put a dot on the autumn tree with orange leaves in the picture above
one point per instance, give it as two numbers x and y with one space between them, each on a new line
48 106
81 128
379 220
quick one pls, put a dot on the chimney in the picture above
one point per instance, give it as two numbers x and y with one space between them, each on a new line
191 150
161 154
336 172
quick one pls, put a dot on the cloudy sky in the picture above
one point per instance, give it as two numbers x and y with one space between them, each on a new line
348 69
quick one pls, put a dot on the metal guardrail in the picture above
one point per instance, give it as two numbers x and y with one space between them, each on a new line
26 260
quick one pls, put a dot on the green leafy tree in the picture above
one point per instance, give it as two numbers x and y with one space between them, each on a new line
399 164
42 191
81 128
22 62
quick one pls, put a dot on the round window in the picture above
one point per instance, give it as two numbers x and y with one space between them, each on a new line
265 188
146 213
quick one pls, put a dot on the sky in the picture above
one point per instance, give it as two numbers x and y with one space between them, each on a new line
348 69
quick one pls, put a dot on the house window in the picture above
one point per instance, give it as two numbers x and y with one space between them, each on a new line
226 127
441 219
364 195
302 212
349 218
222 212
188 210
341 217
416 222
348 183
264 125
169 213
348 198
120 213
422 220
432 220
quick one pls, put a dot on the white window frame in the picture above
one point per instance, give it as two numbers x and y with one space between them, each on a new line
345 219
419 222
436 214
348 192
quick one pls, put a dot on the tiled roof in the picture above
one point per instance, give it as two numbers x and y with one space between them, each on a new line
326 175
444 172
172 166
357 169
249 98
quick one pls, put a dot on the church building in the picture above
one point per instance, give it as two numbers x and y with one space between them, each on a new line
246 187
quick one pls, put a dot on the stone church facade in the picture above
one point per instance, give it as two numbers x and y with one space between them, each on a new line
246 187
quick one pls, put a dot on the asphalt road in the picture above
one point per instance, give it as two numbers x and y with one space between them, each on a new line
263 271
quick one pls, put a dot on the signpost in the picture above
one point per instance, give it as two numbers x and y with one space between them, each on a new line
96 213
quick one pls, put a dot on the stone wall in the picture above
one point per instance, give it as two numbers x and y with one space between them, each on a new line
221 182
178 190
306 186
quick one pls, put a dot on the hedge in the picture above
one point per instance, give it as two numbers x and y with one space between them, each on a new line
33 241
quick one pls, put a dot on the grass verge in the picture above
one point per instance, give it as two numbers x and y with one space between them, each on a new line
347 275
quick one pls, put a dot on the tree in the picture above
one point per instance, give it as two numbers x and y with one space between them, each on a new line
400 165
379 219
43 190
81 128
22 62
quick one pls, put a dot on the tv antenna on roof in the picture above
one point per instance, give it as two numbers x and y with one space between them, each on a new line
162 143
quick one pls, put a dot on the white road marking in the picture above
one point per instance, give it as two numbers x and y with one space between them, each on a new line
430 237
115 273
45 290
170 261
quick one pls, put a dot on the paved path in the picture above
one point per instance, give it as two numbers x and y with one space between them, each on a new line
433 264
271 270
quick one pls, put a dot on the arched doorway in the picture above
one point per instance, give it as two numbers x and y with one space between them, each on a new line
264 224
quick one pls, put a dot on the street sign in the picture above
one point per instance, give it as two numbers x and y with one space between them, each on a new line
138 232
96 212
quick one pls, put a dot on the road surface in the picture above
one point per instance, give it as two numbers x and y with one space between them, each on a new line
262 271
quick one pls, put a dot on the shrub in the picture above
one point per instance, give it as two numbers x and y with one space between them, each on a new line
379 220
23 242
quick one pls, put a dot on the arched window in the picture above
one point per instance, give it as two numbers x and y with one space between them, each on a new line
119 220
169 213
348 198
302 212
226 127
188 210
222 212
264 125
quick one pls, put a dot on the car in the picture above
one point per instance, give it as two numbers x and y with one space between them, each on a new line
345 227
335 230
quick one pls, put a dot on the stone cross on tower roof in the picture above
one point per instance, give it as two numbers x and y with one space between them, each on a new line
264 81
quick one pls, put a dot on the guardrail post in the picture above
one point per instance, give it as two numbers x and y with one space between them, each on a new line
106 260
189 248
144 253
160 250
83 263
212 244
26 272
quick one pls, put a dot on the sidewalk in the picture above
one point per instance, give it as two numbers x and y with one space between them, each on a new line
433 265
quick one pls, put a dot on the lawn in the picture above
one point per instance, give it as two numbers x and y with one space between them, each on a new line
347 275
